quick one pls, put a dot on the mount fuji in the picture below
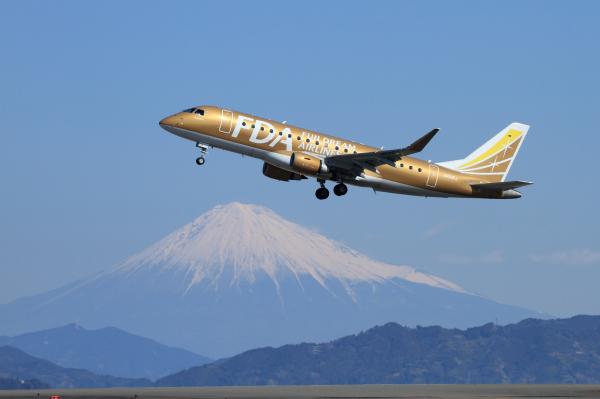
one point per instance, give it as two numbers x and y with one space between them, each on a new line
240 277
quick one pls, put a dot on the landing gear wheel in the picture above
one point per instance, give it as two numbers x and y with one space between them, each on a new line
322 193
340 189
203 150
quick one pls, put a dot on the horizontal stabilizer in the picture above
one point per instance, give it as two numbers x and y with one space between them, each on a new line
501 186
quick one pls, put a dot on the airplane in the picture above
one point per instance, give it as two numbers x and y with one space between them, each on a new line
292 153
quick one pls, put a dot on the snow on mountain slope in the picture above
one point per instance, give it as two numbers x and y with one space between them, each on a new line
252 239
240 277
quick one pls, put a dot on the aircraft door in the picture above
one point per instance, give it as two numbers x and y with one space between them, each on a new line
434 172
226 121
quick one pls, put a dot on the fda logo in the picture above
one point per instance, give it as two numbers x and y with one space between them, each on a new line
262 131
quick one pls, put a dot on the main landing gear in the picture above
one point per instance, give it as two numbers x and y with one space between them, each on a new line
323 193
340 189
203 150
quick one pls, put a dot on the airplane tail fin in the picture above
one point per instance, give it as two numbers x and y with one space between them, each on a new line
492 161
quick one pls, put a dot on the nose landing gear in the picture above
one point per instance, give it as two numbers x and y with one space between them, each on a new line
203 150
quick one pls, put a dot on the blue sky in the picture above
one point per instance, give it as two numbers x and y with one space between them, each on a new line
89 178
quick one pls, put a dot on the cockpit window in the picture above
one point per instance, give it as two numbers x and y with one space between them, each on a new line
190 110
199 111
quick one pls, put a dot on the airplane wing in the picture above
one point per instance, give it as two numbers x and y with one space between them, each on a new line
501 186
355 163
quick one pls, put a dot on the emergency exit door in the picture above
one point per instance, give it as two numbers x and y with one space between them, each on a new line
226 121
434 172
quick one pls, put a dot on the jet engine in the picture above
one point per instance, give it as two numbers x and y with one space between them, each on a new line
280 174
306 164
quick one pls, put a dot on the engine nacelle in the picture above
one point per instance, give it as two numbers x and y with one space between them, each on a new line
280 174
306 164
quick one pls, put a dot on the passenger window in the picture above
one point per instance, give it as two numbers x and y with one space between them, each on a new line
308 140
345 150
420 170
243 123
410 167
401 165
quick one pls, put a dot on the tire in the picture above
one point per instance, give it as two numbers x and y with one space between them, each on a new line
340 189
322 193
200 161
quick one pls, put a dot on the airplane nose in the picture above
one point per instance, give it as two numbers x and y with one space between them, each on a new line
168 121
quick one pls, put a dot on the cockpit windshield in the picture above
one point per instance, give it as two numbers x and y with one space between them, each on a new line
194 111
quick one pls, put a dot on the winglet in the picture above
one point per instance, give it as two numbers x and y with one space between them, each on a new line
420 144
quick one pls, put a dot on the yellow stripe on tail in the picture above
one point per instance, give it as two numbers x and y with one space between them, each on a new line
492 161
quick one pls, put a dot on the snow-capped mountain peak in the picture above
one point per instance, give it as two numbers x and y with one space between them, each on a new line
247 241
241 277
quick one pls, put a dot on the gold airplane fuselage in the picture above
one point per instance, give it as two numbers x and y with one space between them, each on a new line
297 150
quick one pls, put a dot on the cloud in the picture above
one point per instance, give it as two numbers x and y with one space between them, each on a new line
568 257
434 231
492 257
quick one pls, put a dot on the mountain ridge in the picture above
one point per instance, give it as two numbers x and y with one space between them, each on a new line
106 350
560 351
16 364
